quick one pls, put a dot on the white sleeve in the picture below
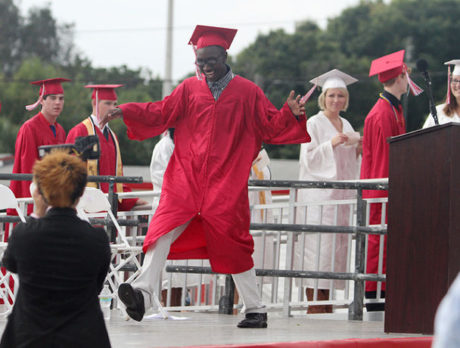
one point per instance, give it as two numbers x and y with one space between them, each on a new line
160 158
429 122
447 320
317 157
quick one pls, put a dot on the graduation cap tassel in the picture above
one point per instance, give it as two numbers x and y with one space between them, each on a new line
307 96
414 88
97 107
30 107
448 85
197 69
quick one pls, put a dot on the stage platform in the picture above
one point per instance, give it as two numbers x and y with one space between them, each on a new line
202 329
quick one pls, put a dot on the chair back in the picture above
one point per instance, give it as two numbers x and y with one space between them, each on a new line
8 201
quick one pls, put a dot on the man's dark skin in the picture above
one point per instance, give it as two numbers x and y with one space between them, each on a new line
211 61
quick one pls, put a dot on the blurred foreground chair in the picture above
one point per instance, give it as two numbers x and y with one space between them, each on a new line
9 282
95 204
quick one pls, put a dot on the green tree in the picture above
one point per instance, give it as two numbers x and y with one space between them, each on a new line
10 24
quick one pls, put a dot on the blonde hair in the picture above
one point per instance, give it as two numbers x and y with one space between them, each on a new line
60 178
322 97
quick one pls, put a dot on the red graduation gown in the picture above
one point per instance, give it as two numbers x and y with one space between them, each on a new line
32 134
206 180
382 122
107 160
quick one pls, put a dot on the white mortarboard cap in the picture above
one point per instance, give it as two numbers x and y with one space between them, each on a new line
455 62
333 79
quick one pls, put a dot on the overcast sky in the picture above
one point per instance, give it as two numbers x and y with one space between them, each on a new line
117 32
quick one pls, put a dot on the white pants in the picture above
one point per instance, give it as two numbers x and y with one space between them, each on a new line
154 262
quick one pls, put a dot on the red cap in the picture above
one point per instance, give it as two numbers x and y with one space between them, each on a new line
389 66
50 86
204 36
47 87
104 92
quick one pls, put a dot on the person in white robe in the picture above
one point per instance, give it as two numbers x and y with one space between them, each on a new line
264 242
332 154
161 155
450 110
263 256
447 320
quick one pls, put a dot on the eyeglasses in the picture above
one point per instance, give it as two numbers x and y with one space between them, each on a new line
208 61
454 82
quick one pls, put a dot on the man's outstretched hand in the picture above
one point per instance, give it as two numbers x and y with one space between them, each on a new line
111 115
297 108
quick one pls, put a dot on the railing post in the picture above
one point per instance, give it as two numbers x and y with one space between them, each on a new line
113 199
355 311
289 254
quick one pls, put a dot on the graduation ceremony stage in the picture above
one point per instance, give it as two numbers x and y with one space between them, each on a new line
211 329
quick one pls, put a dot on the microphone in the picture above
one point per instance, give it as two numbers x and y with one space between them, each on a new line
422 67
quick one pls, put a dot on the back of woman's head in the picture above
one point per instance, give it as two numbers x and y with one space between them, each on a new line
60 178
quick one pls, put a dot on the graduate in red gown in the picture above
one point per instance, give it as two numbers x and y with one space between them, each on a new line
104 99
220 122
385 120
42 129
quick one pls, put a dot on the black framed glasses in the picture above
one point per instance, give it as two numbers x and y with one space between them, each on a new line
208 61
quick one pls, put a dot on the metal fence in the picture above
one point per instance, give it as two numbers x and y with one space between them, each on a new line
191 285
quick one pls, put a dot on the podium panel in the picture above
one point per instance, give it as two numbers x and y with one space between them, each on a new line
423 251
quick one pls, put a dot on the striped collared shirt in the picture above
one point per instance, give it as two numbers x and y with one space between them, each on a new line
218 86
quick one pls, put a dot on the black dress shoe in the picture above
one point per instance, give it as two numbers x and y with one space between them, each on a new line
254 321
133 300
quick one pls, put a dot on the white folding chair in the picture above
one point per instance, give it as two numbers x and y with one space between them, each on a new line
8 201
93 203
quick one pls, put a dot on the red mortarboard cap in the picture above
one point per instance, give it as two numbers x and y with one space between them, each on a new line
104 92
47 87
204 36
389 66
50 86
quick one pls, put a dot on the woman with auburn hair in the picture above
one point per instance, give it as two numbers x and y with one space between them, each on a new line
332 154
61 262
450 110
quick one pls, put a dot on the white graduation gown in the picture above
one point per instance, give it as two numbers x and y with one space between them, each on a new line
319 161
161 154
442 117
260 171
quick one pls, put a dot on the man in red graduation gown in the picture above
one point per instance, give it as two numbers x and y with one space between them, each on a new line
385 120
220 122
42 129
104 99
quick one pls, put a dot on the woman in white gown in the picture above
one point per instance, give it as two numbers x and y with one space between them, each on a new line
450 110
332 154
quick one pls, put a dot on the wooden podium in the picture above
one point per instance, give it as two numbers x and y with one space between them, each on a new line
423 251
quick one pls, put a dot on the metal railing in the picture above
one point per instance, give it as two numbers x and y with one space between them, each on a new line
285 230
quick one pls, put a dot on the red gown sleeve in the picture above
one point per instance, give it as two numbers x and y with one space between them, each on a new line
146 120
279 126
